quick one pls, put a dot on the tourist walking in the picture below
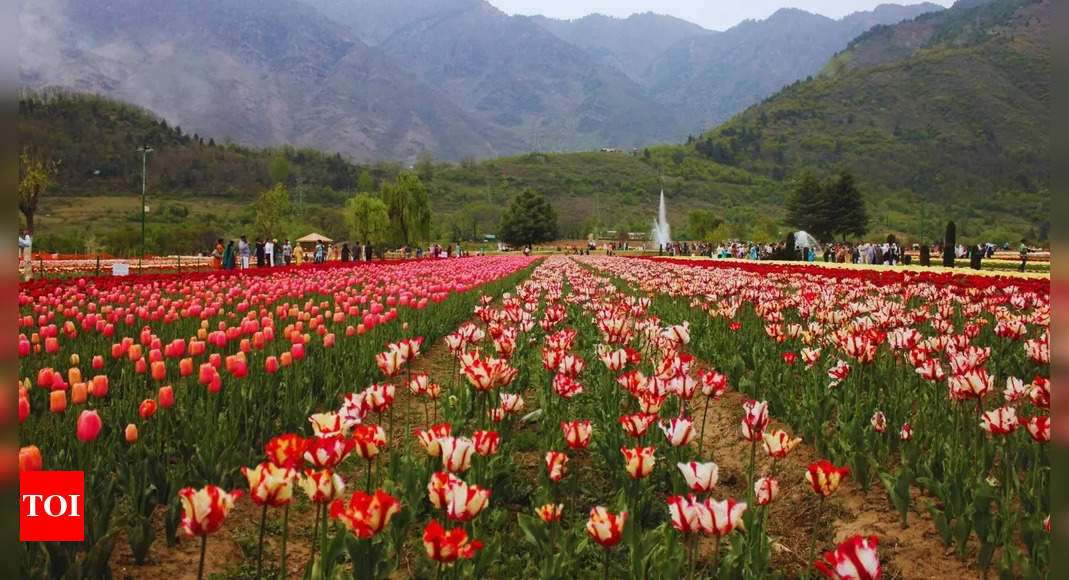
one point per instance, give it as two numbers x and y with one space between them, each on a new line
367 251
245 252
1024 257
287 252
345 252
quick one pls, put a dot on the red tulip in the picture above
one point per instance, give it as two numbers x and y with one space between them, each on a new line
1000 421
24 409
429 438
328 451
779 444
566 386
637 425
576 434
464 501
456 453
440 488
486 442
679 431
446 547
755 421
639 461
1038 426
726 515
205 509
556 463
550 512
713 384
825 478
89 426
766 489
701 477
689 515
321 486
100 386
854 559
327 424
30 458
370 439
185 367
147 408
287 450
366 515
166 397
605 527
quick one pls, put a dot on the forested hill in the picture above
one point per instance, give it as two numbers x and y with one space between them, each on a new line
951 126
953 110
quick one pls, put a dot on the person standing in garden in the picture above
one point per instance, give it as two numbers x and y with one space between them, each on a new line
26 253
259 253
228 256
367 251
287 252
1024 256
345 252
217 254
269 252
244 252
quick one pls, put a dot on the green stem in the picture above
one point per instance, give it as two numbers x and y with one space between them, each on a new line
260 545
200 567
753 458
368 486
813 540
315 534
285 535
605 567
701 438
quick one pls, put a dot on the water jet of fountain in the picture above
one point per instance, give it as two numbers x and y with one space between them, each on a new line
661 236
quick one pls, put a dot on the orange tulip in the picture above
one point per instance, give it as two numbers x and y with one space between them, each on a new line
57 401
100 386
79 393
30 458
131 433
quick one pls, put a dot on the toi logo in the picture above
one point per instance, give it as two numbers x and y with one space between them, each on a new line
51 506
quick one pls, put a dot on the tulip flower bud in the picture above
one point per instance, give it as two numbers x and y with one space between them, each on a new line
166 397
89 426
131 433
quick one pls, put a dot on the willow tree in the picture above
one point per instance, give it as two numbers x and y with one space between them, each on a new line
409 209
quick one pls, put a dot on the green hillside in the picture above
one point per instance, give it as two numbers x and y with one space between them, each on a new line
954 126
960 126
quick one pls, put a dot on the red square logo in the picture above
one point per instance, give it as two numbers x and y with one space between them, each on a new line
51 506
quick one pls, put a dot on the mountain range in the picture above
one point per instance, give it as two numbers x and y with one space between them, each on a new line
389 79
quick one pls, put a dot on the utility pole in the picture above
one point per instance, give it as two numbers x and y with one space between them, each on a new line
144 150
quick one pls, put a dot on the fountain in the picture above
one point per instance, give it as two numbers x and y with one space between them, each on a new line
661 235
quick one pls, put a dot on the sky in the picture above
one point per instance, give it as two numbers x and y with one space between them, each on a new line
712 14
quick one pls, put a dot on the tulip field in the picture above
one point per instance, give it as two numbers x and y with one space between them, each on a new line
509 417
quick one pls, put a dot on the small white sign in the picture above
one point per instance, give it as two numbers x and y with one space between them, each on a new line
146 208
120 269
